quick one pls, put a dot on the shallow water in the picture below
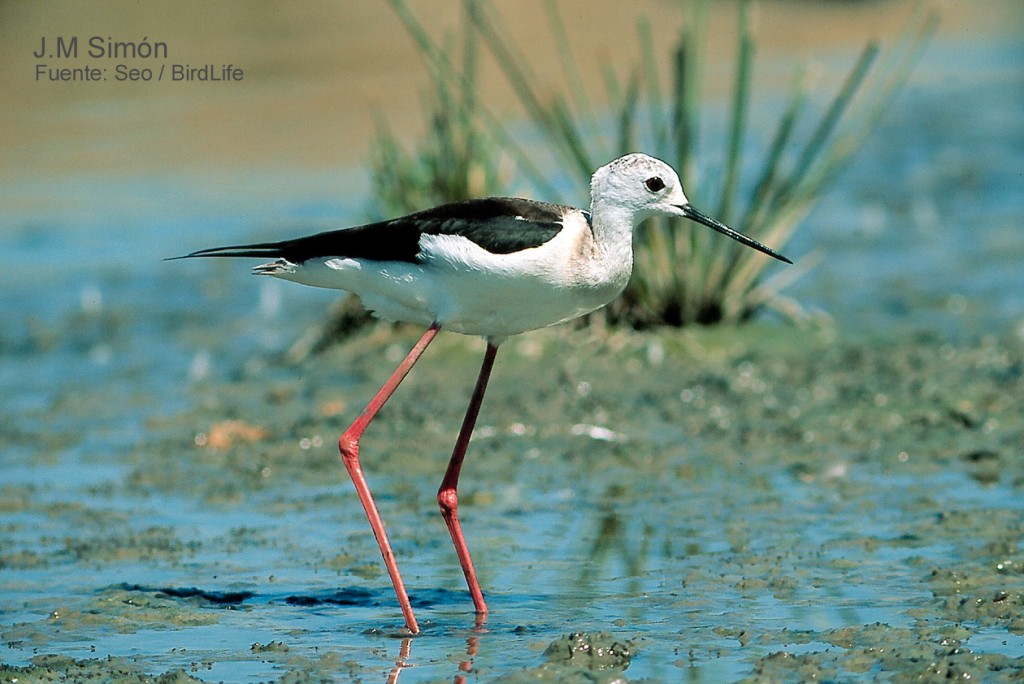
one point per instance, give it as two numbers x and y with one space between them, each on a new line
766 502
750 513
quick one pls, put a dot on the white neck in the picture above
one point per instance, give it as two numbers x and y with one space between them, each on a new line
613 239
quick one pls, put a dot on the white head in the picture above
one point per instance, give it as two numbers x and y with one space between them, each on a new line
642 186
639 187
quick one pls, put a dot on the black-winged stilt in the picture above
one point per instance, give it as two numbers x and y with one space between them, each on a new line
492 267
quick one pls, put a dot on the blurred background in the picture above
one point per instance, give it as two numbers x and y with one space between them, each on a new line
317 74
121 174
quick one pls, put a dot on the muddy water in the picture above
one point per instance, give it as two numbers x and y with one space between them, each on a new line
729 503
769 503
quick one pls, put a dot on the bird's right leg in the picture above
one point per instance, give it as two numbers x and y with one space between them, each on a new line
349 446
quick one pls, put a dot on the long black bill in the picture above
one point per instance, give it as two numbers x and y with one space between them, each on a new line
694 215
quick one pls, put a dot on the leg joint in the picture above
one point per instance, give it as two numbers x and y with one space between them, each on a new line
448 500
348 444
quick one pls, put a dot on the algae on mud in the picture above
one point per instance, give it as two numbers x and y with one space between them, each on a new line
800 501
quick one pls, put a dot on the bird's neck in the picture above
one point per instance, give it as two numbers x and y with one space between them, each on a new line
612 224
612 227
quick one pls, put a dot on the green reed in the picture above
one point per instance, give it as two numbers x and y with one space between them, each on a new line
682 274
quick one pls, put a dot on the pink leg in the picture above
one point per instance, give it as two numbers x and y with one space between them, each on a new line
349 446
448 496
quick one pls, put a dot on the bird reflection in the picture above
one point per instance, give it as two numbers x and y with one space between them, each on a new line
613 542
465 665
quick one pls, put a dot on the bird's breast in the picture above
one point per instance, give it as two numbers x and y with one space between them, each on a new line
567 277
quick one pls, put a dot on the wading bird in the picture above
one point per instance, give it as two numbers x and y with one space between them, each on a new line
492 267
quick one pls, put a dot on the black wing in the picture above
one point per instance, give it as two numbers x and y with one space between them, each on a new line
501 225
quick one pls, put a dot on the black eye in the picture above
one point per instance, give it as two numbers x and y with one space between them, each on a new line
654 183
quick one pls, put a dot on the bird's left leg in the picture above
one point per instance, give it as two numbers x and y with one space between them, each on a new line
448 496
349 446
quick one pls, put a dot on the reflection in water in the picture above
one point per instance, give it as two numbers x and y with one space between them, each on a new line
614 543
472 646
465 665
403 656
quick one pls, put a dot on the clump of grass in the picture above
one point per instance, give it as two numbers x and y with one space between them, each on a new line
457 159
681 275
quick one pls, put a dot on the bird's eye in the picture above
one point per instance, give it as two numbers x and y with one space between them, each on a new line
654 183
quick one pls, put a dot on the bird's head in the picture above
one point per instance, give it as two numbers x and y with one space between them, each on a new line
643 187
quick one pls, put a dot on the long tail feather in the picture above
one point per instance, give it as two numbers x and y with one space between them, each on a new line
262 250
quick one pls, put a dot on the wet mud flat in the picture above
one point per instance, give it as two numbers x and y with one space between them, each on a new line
763 503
